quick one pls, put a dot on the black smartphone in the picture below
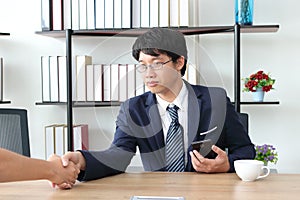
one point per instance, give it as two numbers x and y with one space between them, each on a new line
204 148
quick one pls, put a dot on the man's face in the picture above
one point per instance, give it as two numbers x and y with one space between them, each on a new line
164 81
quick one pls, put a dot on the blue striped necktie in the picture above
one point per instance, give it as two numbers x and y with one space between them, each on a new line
174 143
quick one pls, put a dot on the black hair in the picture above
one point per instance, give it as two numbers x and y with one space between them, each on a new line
161 41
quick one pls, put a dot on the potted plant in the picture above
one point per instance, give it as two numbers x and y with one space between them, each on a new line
266 153
258 83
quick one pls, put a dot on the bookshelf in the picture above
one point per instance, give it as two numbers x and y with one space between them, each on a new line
234 29
84 103
238 29
1 101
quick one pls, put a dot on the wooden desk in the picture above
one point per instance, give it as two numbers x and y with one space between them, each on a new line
189 185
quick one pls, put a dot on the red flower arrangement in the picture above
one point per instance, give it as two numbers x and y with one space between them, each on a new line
258 80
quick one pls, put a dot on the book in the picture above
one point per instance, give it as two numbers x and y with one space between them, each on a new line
59 138
99 14
74 78
49 141
81 137
174 13
98 82
131 74
75 14
57 15
118 13
106 83
66 139
145 13
1 79
136 14
90 83
109 14
53 60
81 62
56 139
184 13
114 82
123 82
45 74
62 79
126 13
90 10
46 15
82 14
154 9
139 84
67 14
164 13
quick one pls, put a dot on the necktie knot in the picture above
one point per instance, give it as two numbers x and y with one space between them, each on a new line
173 113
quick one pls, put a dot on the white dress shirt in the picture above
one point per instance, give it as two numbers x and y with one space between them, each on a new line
182 102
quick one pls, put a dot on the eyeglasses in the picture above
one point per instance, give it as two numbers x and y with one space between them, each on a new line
155 66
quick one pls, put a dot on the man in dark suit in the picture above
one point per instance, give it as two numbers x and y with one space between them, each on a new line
143 121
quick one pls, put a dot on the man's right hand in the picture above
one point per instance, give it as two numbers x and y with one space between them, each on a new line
75 157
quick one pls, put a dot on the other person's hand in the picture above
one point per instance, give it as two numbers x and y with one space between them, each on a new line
60 174
71 158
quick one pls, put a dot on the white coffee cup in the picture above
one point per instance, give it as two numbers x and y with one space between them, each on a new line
250 170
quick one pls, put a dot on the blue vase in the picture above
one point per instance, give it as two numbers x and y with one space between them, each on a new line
258 95
244 12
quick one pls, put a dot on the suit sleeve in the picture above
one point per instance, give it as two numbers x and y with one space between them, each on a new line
113 160
236 137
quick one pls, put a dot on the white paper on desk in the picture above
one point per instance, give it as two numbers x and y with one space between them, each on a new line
155 198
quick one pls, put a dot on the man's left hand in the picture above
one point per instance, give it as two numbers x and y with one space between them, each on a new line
219 164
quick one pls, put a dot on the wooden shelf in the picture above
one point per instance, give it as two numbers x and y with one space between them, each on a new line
185 30
4 102
51 103
97 104
84 103
260 29
258 103
4 33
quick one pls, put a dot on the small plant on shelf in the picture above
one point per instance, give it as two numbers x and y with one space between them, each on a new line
260 79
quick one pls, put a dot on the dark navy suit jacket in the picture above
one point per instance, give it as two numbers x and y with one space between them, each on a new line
210 115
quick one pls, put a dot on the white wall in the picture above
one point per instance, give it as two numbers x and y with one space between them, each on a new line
274 52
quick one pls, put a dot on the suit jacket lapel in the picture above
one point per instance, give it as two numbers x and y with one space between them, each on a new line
218 113
157 130
194 106
155 121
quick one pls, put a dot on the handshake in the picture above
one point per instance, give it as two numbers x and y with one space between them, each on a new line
64 170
